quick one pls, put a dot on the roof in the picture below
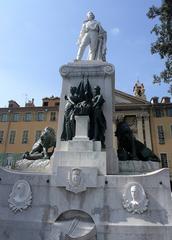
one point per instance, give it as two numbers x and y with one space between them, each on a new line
122 98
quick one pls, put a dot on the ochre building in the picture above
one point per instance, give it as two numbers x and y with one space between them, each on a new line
151 122
20 127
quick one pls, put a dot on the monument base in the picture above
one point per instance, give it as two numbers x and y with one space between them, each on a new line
40 165
81 144
137 166
93 209
101 74
83 157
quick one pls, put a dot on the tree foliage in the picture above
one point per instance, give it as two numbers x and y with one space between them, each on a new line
163 43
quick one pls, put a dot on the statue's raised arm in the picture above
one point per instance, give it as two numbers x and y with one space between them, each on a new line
93 35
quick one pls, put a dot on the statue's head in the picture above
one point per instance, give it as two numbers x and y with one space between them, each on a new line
90 15
96 90
76 176
73 90
20 190
48 136
134 192
123 130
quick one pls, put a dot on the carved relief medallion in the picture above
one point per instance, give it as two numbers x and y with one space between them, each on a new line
134 198
64 70
20 197
109 69
75 181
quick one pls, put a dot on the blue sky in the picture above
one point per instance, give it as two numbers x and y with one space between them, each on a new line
38 36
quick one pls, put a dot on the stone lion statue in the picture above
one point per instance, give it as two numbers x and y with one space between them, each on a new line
40 148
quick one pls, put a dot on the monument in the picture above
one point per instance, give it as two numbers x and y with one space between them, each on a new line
80 193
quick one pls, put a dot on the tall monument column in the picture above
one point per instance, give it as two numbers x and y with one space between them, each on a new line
79 80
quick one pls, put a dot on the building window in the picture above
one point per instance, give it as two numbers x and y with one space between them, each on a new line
40 116
164 160
16 117
1 136
37 135
161 135
4 117
28 117
12 137
25 137
169 112
53 116
158 113
45 104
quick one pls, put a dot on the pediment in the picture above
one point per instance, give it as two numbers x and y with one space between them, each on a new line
125 98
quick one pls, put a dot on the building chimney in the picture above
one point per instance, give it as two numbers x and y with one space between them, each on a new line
13 104
165 100
154 100
30 103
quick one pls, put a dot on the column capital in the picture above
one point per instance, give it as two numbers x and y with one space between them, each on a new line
120 117
142 114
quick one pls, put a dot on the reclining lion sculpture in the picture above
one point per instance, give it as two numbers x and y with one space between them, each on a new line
40 148
129 148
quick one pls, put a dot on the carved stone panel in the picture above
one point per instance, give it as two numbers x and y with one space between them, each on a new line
134 198
109 69
75 181
76 224
21 196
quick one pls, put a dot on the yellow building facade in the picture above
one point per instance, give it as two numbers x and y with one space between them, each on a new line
161 130
20 127
151 123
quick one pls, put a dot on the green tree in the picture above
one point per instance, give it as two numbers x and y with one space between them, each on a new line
163 43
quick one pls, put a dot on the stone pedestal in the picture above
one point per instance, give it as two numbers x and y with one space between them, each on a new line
137 167
80 152
81 132
101 74
95 206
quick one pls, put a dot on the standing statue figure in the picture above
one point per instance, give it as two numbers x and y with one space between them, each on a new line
93 35
69 115
99 121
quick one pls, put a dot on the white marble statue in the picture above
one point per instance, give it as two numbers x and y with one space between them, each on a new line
134 199
21 196
93 35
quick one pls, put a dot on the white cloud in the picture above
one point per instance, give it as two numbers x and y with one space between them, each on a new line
115 31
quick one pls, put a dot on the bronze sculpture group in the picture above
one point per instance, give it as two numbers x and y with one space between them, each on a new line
83 101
